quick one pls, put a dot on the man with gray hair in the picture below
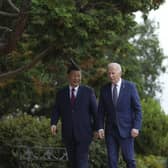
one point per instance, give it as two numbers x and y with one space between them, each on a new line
120 113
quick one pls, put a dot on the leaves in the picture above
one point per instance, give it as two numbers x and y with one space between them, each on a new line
93 34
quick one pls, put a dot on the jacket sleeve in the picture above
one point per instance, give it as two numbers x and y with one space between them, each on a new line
101 111
55 112
136 105
94 109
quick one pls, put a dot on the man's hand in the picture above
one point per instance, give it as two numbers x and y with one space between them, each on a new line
53 129
101 133
134 132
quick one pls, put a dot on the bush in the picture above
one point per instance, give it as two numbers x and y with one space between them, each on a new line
24 130
35 131
154 135
151 161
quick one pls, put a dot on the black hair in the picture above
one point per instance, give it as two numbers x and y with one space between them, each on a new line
73 68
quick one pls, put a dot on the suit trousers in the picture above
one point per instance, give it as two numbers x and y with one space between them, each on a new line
114 143
78 154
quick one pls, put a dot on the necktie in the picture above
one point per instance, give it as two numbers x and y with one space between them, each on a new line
115 95
72 96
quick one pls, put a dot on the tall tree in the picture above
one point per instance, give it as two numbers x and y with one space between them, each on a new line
92 33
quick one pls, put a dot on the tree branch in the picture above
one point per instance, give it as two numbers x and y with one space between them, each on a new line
1 2
20 26
2 38
8 14
13 6
5 28
24 68
88 6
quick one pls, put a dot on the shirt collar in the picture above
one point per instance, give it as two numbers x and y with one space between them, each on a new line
76 88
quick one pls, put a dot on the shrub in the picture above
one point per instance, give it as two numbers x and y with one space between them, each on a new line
35 131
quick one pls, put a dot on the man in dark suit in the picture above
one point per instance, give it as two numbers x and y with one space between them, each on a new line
119 111
76 105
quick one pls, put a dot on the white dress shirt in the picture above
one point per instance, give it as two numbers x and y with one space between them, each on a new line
118 85
75 90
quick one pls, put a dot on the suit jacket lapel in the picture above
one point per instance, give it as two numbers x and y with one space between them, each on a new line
122 89
109 93
78 94
67 95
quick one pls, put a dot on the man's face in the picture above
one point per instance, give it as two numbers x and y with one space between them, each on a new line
74 78
114 74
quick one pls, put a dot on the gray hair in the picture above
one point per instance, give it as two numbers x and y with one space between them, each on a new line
115 65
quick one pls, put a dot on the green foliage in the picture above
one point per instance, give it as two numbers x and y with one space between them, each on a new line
35 132
27 130
149 57
24 130
153 136
93 34
151 161
98 154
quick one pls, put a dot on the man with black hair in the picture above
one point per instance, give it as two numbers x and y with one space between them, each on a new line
76 105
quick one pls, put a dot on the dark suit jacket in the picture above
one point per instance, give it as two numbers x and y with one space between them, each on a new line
80 121
127 113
